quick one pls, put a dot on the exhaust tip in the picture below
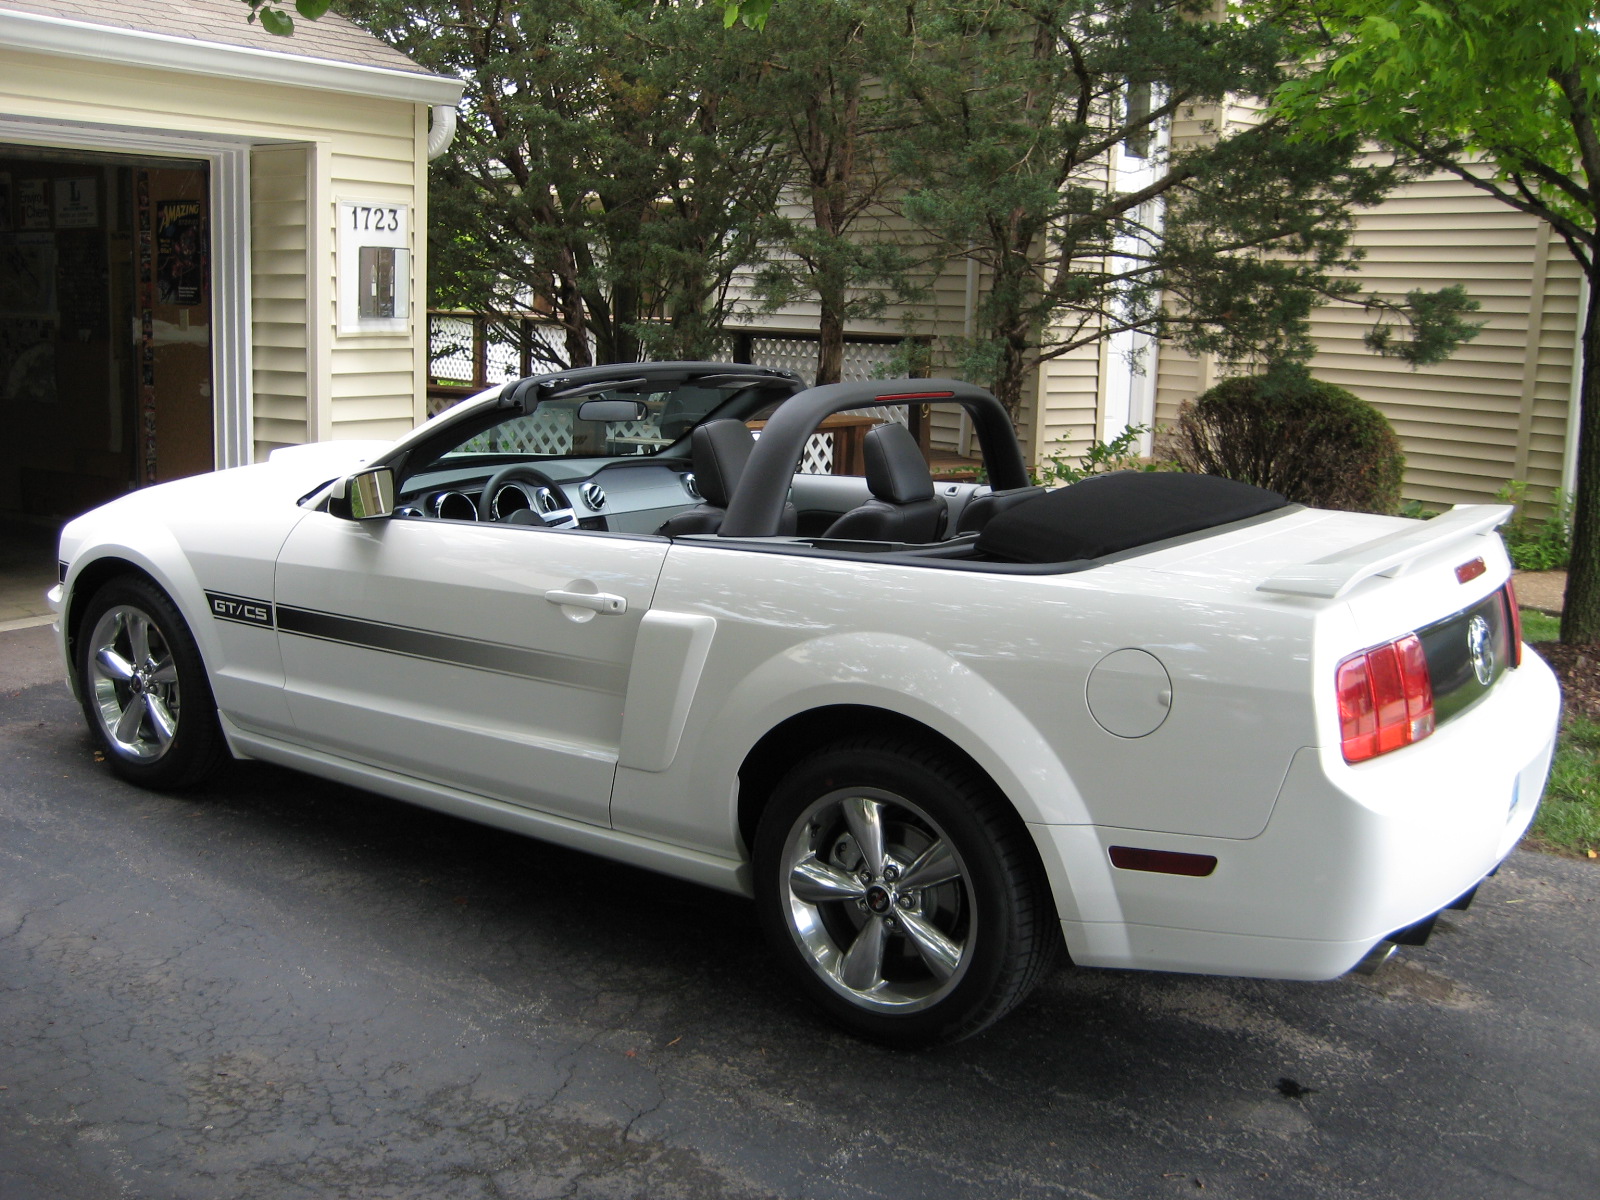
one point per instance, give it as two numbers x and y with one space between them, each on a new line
1374 958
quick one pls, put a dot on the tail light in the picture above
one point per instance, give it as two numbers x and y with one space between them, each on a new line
1385 699
1515 614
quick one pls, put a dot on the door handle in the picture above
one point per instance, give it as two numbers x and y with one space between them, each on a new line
600 602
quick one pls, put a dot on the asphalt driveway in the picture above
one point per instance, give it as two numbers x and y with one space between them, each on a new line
283 988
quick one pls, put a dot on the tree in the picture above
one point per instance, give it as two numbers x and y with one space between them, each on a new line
1023 107
614 165
275 18
1502 94
836 120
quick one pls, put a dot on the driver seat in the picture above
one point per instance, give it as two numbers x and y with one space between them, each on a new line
718 451
903 507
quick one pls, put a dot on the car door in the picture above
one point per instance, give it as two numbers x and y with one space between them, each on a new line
490 658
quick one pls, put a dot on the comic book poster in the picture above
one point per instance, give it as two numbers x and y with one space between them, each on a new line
183 252
33 204
28 306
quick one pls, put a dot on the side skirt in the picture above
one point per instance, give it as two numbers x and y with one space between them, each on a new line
724 874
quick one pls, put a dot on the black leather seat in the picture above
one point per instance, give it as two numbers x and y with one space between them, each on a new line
903 507
719 451
980 509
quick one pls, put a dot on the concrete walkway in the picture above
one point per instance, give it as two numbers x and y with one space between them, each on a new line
1542 590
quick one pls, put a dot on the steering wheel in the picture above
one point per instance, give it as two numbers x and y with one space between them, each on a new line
530 482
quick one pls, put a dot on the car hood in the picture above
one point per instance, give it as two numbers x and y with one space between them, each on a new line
197 500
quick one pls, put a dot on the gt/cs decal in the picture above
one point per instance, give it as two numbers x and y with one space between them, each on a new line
242 609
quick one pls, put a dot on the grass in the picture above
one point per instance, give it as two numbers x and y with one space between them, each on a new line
1539 627
1569 817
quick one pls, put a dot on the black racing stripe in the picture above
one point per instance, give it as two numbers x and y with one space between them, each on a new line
479 655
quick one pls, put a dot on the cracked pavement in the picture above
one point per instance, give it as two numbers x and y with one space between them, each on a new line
278 987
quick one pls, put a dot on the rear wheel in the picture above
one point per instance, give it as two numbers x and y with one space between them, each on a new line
144 687
902 892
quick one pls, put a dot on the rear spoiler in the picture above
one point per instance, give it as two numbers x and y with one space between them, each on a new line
1391 555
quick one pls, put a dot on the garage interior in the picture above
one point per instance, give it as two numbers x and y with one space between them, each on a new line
105 343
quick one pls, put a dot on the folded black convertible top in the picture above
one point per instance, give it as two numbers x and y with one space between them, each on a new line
1105 514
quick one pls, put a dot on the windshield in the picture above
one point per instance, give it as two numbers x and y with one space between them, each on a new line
554 430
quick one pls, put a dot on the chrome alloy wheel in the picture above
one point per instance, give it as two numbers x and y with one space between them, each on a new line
878 901
134 682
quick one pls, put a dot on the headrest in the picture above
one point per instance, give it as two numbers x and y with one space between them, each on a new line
719 451
1107 513
896 470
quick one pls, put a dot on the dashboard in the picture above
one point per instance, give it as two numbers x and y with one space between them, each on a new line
619 496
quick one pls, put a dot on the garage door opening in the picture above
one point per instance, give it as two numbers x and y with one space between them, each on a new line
105 327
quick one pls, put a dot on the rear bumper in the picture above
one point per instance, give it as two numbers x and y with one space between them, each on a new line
1350 855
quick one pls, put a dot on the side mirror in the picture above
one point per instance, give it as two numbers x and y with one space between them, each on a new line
613 410
364 496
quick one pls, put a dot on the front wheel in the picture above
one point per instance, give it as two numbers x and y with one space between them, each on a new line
144 687
902 892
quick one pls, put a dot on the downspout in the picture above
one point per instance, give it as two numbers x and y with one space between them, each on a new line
969 329
1569 457
442 130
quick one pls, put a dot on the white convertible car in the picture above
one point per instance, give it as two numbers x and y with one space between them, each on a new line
939 733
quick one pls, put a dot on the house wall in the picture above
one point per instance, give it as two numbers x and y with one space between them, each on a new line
1498 408
309 150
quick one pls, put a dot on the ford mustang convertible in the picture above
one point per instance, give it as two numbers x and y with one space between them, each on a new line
941 733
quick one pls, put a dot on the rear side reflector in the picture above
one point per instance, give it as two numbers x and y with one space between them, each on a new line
1468 571
1164 862
1515 613
1385 699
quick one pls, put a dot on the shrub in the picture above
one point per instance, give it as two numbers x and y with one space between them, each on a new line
1315 443
1546 546
1121 453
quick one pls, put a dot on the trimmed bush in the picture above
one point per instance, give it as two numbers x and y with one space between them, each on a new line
1316 443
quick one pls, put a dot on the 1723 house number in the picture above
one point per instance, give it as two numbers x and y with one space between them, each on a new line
383 220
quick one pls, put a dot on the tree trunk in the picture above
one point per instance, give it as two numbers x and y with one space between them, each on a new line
1012 371
1580 611
830 343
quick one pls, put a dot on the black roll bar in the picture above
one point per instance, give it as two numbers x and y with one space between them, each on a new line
756 507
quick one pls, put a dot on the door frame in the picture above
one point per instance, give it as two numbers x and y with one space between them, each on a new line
229 162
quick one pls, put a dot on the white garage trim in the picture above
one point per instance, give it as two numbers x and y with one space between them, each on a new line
87 40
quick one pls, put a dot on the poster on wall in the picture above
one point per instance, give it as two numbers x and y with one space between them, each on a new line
182 252
77 203
33 204
28 275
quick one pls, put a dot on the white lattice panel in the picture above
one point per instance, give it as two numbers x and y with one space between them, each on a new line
450 348
539 433
818 456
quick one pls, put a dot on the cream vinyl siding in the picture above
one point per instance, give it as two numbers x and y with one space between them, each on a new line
1498 408
278 287
310 149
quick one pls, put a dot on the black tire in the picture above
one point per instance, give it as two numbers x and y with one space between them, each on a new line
907 966
146 695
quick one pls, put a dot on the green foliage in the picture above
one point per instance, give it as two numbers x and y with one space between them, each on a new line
615 164
1315 443
1503 94
274 19
835 121
1536 545
1569 816
1417 511
1101 458
1019 106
